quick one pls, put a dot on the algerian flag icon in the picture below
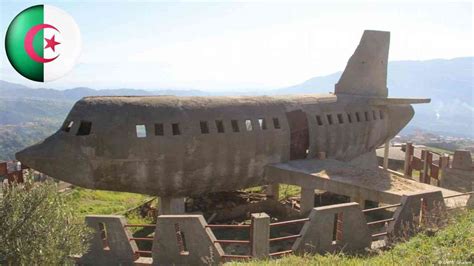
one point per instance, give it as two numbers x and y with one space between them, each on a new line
43 43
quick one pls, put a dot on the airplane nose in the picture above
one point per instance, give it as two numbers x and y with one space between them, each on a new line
55 157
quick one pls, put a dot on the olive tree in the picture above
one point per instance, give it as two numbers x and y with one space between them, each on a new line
38 227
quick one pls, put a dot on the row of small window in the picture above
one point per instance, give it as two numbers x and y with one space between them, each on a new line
368 116
204 126
84 129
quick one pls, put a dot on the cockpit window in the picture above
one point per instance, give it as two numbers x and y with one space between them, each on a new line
84 128
141 131
67 126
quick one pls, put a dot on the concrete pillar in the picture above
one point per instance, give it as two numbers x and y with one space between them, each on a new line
385 154
322 155
307 199
168 205
408 146
360 201
260 235
273 191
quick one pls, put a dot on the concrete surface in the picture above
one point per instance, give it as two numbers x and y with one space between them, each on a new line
184 240
317 234
260 234
462 160
409 216
362 184
116 249
172 156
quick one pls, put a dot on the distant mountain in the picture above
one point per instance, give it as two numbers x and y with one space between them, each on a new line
28 115
449 83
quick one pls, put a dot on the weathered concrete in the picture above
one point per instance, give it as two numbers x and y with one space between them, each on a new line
110 243
307 199
364 184
462 160
470 202
369 61
273 191
168 205
352 233
184 240
417 208
179 146
457 179
260 234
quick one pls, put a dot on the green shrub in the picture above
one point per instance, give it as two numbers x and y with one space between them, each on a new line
38 227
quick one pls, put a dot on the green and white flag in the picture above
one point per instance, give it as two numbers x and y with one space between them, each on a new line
43 43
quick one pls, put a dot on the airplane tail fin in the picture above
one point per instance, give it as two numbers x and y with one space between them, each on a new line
366 70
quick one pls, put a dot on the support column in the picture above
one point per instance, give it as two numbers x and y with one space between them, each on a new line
168 205
385 154
360 201
307 199
408 148
273 191
260 235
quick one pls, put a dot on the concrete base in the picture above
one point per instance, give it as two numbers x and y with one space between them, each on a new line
425 209
260 235
110 243
168 205
318 234
185 240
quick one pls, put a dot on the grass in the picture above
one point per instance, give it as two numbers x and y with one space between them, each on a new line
87 201
451 245
439 150
285 191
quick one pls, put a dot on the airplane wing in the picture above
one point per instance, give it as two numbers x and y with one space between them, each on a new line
344 179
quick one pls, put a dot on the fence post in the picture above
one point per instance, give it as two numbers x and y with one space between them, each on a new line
260 235
385 154
407 158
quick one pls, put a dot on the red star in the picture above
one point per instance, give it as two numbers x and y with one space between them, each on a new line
51 43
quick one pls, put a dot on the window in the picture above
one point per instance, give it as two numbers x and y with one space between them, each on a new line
262 123
141 131
67 126
84 128
175 129
357 117
159 130
349 117
319 120
248 125
381 114
340 119
374 115
276 123
329 119
366 114
204 127
235 125
220 126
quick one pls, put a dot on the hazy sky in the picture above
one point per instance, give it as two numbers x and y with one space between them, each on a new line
241 46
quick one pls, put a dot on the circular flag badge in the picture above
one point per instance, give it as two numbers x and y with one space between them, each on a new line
43 43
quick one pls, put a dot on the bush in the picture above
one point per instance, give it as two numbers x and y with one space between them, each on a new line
37 226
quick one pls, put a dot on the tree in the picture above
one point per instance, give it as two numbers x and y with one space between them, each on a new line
38 227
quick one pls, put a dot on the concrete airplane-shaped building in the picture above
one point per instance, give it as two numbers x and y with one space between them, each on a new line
180 146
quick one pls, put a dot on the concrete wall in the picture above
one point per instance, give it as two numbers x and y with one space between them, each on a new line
317 234
457 179
110 243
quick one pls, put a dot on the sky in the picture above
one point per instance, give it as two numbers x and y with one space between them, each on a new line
244 46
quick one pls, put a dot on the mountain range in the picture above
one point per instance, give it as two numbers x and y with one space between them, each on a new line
27 115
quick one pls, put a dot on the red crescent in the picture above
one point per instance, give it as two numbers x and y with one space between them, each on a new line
30 36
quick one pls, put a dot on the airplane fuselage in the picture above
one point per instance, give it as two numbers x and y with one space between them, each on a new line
179 146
